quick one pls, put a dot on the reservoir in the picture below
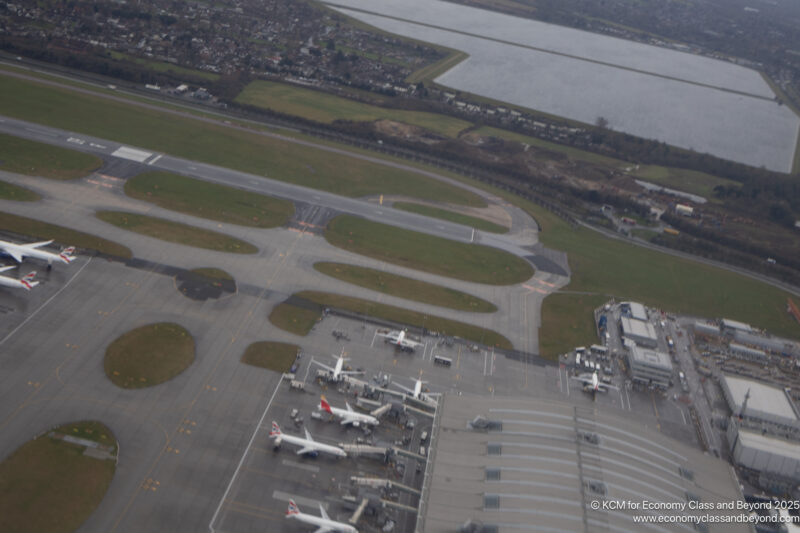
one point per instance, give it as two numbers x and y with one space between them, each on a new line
682 99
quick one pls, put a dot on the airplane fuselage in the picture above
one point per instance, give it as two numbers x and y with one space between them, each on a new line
320 522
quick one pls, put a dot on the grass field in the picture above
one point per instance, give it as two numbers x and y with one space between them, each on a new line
208 200
616 268
277 356
403 287
470 262
31 158
217 144
444 214
48 484
294 319
408 317
176 232
37 230
9 191
691 181
567 322
323 107
149 355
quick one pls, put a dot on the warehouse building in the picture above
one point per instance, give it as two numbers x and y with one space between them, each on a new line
728 326
649 367
745 352
761 407
640 332
634 310
771 462
507 464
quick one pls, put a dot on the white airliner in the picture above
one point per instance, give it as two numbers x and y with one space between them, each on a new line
307 445
348 416
20 251
337 372
416 393
591 383
324 523
25 282
401 340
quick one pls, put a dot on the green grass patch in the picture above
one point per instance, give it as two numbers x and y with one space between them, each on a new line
9 191
277 356
692 181
213 273
406 316
38 230
209 200
403 287
444 214
469 262
218 144
48 484
567 322
149 355
169 231
323 107
294 319
31 158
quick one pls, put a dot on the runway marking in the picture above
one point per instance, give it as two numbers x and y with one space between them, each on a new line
156 158
244 455
45 303
132 154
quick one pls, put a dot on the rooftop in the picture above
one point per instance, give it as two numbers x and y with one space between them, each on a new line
766 443
639 328
764 398
548 461
651 358
727 323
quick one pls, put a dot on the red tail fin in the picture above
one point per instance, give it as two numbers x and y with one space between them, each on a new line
323 404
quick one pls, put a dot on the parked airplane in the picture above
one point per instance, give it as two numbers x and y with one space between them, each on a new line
20 251
591 383
348 416
25 282
337 372
307 445
416 393
324 523
401 340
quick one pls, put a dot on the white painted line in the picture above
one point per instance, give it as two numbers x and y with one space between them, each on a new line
156 158
241 461
682 415
308 369
305 502
132 154
494 358
472 238
372 344
628 396
621 399
567 380
47 302
560 381
301 466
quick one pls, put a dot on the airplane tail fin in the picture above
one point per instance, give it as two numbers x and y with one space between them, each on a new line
66 254
324 405
27 281
292 509
276 430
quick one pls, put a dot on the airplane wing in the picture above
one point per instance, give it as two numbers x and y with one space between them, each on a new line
6 268
410 391
307 449
36 244
323 365
586 379
322 512
308 435
324 529
15 254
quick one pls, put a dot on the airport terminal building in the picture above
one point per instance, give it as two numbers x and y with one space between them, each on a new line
502 464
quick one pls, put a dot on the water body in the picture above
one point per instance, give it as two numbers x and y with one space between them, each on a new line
679 98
